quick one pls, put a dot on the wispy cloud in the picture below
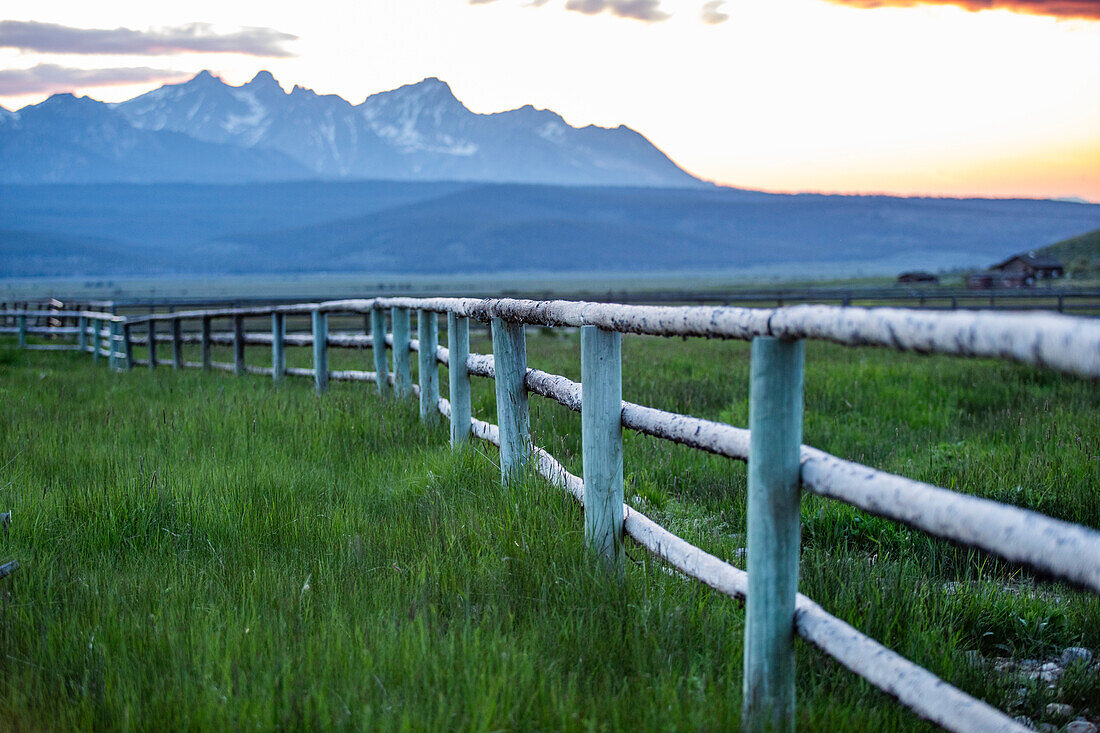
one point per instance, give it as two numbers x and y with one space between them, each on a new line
647 10
191 38
1082 9
712 12
50 78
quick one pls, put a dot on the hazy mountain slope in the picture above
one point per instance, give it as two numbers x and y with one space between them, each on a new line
537 227
24 254
186 216
66 139
453 227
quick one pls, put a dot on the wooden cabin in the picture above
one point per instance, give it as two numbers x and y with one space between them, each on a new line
1029 267
1018 271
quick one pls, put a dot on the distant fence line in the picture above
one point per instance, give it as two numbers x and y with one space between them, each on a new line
779 465
1084 301
1061 300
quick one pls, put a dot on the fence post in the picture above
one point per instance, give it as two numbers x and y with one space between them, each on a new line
82 333
602 442
177 344
378 347
458 344
238 345
320 351
427 333
402 369
119 348
23 331
110 344
128 347
510 365
775 422
278 346
96 326
205 342
114 331
151 329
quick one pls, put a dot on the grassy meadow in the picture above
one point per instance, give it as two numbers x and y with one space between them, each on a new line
201 551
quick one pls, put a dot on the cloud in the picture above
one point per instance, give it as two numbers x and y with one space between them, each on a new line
50 78
1083 9
192 38
712 12
647 10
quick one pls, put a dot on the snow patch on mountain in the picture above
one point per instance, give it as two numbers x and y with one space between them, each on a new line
250 126
553 131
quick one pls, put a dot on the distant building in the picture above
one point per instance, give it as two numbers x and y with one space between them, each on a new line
1029 268
917 277
1018 271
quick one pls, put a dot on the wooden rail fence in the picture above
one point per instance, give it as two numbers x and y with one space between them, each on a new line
780 467
1045 297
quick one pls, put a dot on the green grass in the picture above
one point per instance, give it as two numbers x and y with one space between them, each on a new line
201 551
1080 255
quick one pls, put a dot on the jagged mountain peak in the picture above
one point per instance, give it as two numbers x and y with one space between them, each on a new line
429 92
207 81
433 83
68 106
264 78
305 95
265 87
528 113
530 110
204 77
65 99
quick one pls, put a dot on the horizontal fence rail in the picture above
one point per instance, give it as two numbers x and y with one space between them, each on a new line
1062 343
1052 547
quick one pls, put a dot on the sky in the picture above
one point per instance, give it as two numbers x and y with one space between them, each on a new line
939 97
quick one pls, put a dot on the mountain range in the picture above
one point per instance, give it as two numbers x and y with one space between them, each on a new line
206 131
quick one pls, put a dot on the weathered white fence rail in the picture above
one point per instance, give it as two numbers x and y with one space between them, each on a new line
779 466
